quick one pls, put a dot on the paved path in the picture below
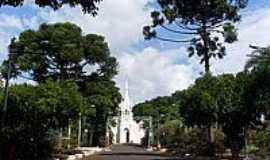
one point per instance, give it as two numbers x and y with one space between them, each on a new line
129 152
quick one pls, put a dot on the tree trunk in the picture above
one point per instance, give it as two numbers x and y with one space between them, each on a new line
60 137
210 138
210 132
69 133
99 128
91 138
235 154
205 38
79 130
207 64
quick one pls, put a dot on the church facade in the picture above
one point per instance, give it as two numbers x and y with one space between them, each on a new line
126 130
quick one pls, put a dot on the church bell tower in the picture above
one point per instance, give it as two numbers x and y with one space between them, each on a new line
127 130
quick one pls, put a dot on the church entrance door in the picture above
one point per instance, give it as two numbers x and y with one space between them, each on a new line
127 135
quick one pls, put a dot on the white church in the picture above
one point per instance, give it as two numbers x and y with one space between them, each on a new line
127 130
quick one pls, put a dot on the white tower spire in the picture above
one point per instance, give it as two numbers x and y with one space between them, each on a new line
126 104
126 90
127 130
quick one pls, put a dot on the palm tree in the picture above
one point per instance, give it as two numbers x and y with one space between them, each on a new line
259 59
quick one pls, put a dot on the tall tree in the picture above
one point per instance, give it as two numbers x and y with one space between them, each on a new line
199 106
105 96
259 59
25 135
161 109
234 116
88 6
199 23
258 92
60 51
34 112
62 100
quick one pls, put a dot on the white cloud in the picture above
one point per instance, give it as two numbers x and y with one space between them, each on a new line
254 29
120 22
10 21
9 24
154 73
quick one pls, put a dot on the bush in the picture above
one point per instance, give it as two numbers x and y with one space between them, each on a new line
183 141
192 141
26 132
26 138
260 140
220 148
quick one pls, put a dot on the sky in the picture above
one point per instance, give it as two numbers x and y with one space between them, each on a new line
153 68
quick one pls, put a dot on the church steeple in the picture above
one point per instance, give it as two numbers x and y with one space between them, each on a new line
126 89
127 128
126 104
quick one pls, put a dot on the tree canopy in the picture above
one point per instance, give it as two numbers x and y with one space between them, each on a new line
259 59
199 23
60 51
62 100
159 108
199 105
88 6
74 75
105 96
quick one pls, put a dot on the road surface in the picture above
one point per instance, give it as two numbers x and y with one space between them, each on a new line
129 152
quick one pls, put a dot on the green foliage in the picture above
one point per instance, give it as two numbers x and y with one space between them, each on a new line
60 99
171 132
26 132
183 142
257 95
105 97
225 100
73 72
34 113
162 110
89 6
60 51
200 23
198 103
258 91
159 108
261 141
259 59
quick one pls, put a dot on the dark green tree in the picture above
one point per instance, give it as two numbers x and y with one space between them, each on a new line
60 51
105 96
234 116
257 95
162 110
258 92
259 59
34 114
199 107
62 100
203 24
88 6
26 134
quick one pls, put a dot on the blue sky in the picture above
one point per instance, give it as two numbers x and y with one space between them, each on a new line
153 68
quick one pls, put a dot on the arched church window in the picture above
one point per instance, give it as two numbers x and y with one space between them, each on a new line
126 112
